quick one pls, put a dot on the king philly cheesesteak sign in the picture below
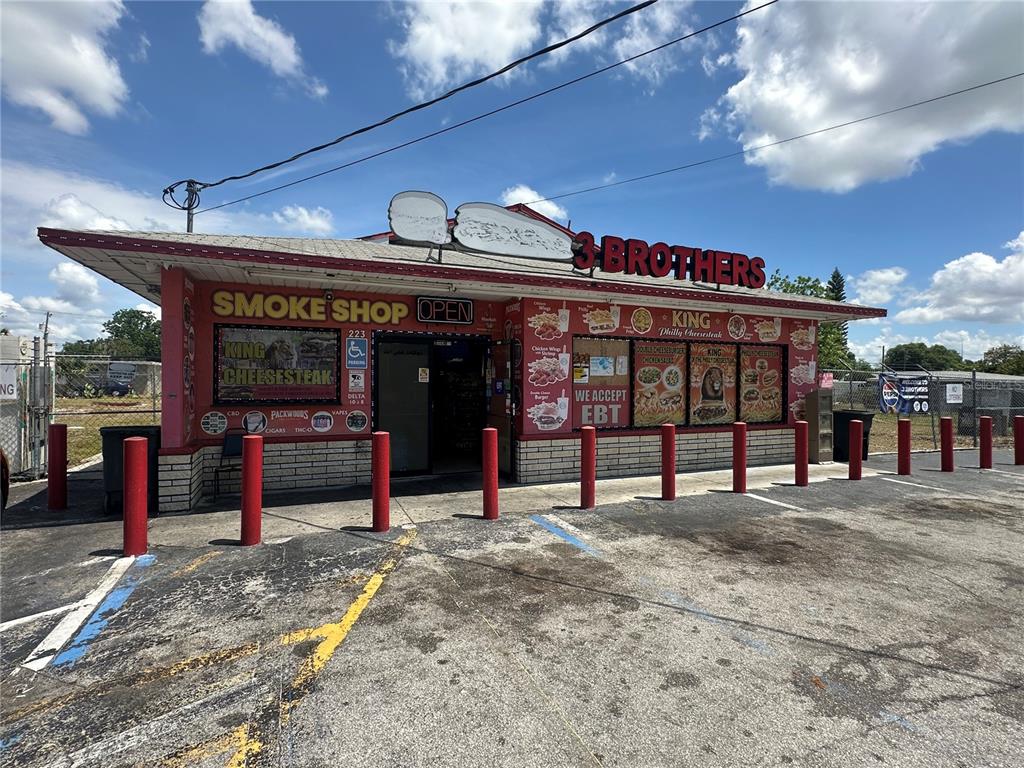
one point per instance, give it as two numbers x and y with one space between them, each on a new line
422 218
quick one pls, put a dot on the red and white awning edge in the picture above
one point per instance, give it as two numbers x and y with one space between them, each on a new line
107 254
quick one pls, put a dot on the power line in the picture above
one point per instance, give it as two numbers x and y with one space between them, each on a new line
490 113
759 147
193 187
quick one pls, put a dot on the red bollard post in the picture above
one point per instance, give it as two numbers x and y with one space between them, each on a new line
135 495
903 446
946 442
856 448
57 467
668 462
1018 440
739 457
381 458
588 468
490 466
800 435
252 490
985 444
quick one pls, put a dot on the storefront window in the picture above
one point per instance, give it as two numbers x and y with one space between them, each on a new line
712 384
659 373
761 384
600 376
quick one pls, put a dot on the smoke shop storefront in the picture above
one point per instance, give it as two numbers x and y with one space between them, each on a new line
314 344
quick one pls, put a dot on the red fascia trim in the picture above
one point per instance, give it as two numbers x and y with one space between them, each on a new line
609 433
57 237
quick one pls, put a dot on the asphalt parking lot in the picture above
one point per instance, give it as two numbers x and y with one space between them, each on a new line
845 624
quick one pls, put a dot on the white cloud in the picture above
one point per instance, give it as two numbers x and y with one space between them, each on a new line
811 65
521 193
296 218
141 53
877 286
974 345
223 23
55 60
75 284
975 287
33 196
648 29
152 309
447 43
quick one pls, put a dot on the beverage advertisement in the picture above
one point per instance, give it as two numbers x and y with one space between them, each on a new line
658 395
761 378
276 364
712 384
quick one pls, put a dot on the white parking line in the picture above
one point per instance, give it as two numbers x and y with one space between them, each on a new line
34 616
916 485
773 501
59 635
568 526
1018 475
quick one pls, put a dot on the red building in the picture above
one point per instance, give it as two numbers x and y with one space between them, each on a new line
315 343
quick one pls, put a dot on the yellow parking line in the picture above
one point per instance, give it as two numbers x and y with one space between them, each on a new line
195 564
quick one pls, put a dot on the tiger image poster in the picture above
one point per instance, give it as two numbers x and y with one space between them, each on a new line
712 384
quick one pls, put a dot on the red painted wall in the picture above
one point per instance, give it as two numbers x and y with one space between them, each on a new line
352 415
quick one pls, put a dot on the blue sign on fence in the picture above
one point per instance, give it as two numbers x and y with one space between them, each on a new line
355 352
902 394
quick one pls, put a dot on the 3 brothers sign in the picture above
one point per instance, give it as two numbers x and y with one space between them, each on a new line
636 257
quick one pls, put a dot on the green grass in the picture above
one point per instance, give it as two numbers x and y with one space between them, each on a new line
85 415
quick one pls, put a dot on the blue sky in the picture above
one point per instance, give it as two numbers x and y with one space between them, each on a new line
106 103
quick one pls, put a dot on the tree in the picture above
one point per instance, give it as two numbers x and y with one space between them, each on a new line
133 334
933 358
1006 358
833 351
835 290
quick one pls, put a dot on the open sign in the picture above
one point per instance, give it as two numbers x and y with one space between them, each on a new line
438 310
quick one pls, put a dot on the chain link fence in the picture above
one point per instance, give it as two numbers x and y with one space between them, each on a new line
965 396
90 393
86 393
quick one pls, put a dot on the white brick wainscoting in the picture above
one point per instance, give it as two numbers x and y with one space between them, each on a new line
186 478
541 461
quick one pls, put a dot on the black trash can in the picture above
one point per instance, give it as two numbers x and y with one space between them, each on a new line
841 432
113 466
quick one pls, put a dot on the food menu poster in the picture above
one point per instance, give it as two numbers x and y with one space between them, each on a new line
658 392
761 377
260 364
712 384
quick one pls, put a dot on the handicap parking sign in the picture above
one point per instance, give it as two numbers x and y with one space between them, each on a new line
355 352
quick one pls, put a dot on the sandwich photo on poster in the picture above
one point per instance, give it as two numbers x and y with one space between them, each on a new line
658 392
712 384
761 384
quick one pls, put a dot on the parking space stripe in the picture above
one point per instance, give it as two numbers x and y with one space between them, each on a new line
1017 475
776 503
41 615
99 619
915 485
59 635
565 535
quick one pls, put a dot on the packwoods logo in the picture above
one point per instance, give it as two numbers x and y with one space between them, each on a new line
636 257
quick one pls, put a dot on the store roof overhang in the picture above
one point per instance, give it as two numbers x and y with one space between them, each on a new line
134 261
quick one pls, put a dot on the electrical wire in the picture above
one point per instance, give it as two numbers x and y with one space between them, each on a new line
759 147
193 187
490 113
